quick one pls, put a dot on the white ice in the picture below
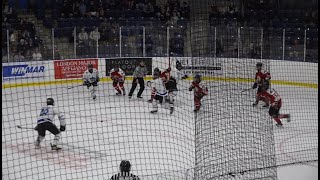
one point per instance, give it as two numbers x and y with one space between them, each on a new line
99 134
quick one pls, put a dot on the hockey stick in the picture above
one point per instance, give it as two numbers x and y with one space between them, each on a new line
246 90
24 127
75 86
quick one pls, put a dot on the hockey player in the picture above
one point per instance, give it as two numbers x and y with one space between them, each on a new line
118 77
45 122
274 99
156 75
161 94
124 173
199 91
262 82
91 78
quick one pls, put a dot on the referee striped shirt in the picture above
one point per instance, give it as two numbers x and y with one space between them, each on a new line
124 176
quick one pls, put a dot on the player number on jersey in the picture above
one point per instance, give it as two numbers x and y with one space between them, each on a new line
44 112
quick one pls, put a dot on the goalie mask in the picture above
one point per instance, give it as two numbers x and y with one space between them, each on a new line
50 101
125 166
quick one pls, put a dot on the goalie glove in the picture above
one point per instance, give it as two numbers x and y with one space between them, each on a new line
62 128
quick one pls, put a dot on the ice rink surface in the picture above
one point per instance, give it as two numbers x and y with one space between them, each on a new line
99 134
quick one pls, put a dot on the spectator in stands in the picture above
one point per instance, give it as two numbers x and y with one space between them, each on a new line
185 10
83 37
66 9
148 10
94 37
5 58
26 35
124 173
19 57
100 11
140 5
36 55
23 46
82 9
92 9
13 40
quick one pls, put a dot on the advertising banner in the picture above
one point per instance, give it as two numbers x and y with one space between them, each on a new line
23 71
67 69
199 65
128 65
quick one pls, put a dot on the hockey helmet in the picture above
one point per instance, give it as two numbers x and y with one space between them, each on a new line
259 64
169 69
116 69
197 77
90 66
125 166
50 101
156 73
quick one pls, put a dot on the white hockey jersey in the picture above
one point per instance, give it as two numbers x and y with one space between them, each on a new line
159 87
91 77
175 73
48 113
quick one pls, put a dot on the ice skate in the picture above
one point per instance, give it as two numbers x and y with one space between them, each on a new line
171 110
279 124
37 144
55 147
150 100
154 111
254 104
196 109
118 93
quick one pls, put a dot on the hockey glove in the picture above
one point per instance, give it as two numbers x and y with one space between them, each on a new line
36 128
86 83
62 128
255 85
190 88
184 77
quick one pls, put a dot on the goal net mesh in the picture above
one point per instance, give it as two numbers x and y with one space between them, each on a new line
227 139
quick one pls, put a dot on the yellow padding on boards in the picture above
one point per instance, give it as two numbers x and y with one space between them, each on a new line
107 79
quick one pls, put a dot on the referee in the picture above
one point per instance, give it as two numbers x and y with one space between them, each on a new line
139 73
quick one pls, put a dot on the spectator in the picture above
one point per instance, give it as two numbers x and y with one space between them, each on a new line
82 9
100 11
94 37
185 10
13 40
83 37
92 9
36 56
139 5
124 173
5 58
148 10
19 57
23 46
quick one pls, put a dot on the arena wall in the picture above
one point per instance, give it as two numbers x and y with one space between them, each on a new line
34 73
